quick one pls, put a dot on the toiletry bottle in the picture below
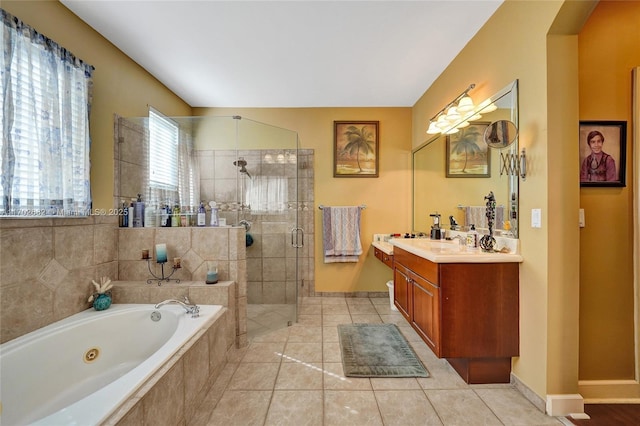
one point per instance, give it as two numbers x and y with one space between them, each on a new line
150 216
472 238
202 214
214 213
175 217
124 218
138 213
184 216
130 212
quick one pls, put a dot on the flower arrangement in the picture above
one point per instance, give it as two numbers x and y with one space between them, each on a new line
102 288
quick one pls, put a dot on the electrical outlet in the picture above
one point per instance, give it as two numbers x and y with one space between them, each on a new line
581 218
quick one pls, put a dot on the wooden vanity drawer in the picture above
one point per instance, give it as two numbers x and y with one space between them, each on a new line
423 267
385 258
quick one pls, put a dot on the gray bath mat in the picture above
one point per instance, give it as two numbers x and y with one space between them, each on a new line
377 350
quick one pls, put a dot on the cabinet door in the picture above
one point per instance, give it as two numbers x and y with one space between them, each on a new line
401 286
426 311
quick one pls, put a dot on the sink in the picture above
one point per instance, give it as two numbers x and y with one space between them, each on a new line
451 251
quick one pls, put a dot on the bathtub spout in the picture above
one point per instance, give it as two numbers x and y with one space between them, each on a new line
194 309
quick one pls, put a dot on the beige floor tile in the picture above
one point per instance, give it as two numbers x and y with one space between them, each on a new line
395 383
272 336
513 408
241 408
358 301
299 408
333 301
328 320
330 334
254 376
362 309
263 352
352 408
305 334
442 377
303 352
458 407
311 301
309 320
406 408
334 379
331 352
366 319
310 309
335 310
299 376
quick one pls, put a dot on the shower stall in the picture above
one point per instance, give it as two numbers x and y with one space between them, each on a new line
246 173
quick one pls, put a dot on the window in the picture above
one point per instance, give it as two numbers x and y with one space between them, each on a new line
46 94
163 152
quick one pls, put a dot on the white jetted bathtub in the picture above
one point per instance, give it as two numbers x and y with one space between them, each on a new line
79 370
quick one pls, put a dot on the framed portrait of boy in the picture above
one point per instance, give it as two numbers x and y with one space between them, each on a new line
603 153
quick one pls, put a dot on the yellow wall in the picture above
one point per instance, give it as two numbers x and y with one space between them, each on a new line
514 44
120 86
608 52
387 197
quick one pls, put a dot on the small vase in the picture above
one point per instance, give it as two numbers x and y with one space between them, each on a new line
102 302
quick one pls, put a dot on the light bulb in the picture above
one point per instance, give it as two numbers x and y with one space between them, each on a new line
433 128
465 104
453 115
442 122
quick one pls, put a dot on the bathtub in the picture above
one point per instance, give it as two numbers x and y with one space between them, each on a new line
79 370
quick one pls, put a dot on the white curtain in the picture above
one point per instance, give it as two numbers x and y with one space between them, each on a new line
267 194
46 97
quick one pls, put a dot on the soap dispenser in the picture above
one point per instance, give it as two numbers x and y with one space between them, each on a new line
472 238
436 231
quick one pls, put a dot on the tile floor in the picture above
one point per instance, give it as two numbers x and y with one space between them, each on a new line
293 376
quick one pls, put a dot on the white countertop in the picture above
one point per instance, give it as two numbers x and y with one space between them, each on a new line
443 251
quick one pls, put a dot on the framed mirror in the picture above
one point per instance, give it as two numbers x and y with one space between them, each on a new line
462 198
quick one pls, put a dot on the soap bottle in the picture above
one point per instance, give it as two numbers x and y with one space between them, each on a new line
130 212
175 217
124 216
472 238
138 213
214 213
150 219
202 215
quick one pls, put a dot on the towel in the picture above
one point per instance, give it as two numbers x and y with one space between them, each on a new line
478 216
341 234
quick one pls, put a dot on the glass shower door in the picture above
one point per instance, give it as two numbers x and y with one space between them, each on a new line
267 174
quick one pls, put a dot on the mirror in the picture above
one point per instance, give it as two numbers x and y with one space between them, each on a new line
434 192
500 134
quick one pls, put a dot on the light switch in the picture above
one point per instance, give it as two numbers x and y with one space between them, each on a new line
581 218
536 218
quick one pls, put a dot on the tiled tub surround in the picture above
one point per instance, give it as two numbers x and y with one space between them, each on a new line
224 246
46 267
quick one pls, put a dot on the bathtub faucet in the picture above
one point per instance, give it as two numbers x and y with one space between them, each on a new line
194 309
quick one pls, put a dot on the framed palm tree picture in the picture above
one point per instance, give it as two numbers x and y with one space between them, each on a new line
355 148
467 153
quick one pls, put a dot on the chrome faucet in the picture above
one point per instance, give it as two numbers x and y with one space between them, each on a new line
194 309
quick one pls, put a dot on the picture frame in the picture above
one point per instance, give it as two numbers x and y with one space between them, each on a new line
603 164
467 154
356 147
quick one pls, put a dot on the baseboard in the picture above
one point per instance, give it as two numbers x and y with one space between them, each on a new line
566 405
531 396
610 391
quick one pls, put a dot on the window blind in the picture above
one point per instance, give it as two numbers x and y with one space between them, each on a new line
163 152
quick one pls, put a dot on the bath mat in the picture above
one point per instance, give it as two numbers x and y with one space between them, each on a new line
377 350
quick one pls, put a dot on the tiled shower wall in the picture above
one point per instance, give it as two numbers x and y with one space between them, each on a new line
47 265
271 259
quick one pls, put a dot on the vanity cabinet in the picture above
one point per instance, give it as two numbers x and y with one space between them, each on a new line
467 313
385 258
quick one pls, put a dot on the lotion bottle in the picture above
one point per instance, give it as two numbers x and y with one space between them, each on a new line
202 215
472 238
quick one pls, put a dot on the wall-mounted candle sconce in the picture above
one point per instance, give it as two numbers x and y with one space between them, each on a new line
161 258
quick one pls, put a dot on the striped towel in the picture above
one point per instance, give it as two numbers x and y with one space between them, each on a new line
478 217
341 234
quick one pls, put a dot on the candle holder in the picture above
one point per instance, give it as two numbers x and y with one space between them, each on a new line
161 278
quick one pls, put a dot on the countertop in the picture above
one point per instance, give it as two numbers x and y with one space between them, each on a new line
443 251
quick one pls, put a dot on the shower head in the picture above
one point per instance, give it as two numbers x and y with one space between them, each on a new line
242 164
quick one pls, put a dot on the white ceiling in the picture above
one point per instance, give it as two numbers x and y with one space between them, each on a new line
290 53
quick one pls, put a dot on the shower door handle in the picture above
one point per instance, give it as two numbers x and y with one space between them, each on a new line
294 237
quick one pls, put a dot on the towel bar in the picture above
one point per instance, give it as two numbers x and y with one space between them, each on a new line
362 206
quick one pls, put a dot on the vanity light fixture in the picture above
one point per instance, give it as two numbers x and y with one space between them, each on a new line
454 115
